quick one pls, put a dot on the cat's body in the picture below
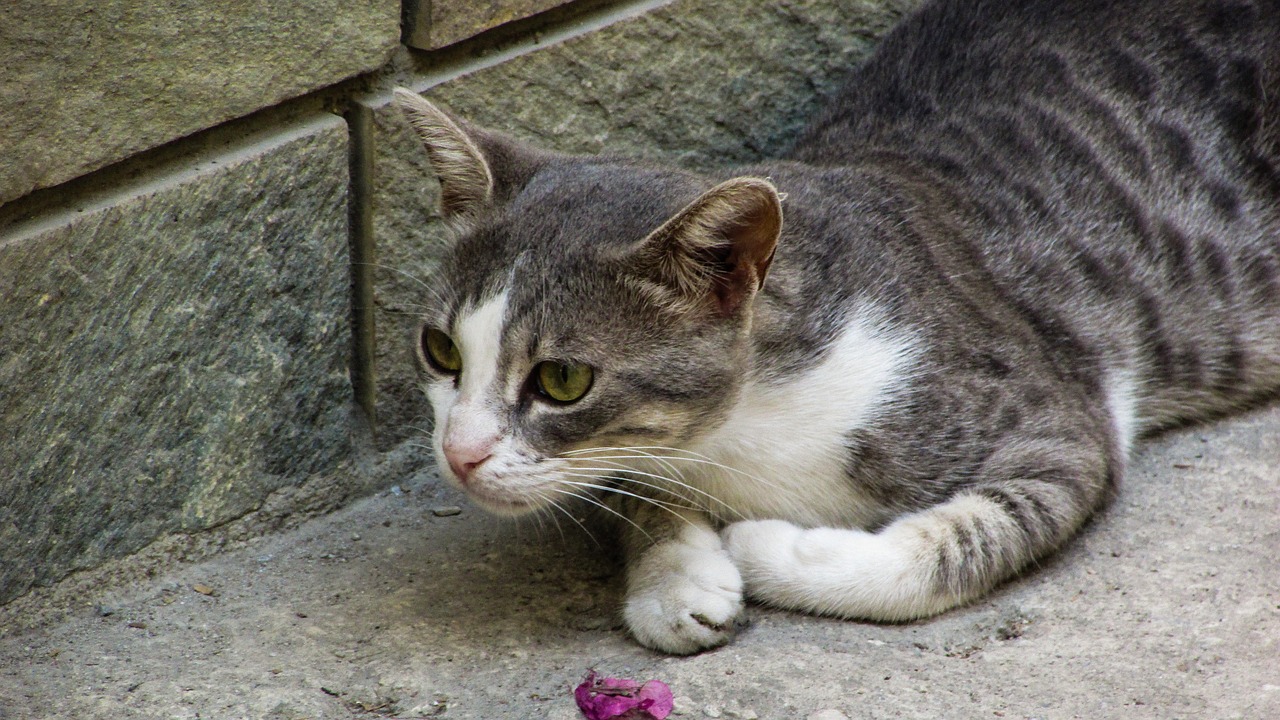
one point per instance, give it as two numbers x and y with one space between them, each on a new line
1025 235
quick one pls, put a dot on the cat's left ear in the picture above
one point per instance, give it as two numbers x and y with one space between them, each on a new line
466 182
477 168
718 247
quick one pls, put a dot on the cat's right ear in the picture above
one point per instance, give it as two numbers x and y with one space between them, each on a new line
466 179
717 250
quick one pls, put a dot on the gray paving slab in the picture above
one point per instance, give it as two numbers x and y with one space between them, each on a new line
1167 606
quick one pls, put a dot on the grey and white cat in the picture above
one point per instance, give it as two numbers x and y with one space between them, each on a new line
1026 235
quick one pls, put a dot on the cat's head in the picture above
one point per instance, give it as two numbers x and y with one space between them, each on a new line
589 309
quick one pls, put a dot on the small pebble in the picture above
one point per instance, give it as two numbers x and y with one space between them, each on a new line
138 624
446 510
355 537
828 714
105 610
202 589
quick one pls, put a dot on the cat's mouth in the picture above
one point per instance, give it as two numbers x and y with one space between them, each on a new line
512 489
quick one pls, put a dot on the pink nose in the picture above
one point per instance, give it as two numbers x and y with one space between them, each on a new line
464 458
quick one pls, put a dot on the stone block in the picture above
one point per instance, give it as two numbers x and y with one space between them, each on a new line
88 84
431 24
168 362
695 83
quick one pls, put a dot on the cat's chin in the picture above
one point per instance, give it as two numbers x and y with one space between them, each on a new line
509 506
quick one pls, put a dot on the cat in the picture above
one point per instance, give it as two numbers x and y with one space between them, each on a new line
877 377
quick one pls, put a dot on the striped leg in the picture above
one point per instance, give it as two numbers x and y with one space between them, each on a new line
1035 496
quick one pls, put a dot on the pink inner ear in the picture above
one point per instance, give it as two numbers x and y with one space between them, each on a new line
732 288
752 238
756 238
715 253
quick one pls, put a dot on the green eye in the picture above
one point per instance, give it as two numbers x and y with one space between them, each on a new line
563 382
440 351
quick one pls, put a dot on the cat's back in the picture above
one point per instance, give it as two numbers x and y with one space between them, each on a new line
1116 170
1010 62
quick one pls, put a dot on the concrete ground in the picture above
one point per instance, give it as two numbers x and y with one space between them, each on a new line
1167 606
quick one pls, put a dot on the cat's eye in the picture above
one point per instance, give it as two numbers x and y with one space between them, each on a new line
441 351
563 382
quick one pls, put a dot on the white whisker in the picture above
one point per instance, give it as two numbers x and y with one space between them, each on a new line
605 507
604 473
658 459
435 291
552 504
539 519
697 459
652 501
621 468
413 311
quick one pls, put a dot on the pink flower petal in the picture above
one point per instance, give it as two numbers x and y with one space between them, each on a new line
622 699
660 694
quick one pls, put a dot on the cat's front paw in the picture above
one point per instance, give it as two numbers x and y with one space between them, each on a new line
833 571
762 550
682 599
802 568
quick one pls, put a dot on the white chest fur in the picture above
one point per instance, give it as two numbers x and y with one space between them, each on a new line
785 440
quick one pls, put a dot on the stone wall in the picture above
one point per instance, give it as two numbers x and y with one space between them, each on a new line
214 225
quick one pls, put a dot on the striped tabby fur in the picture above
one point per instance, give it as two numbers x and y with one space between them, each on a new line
1027 234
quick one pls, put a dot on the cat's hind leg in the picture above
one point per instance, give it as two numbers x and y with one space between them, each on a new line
1034 495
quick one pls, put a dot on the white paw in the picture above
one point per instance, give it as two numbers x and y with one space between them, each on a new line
682 598
763 550
833 571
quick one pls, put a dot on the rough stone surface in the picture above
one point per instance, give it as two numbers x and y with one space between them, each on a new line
433 24
1166 607
697 83
167 363
87 84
